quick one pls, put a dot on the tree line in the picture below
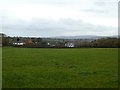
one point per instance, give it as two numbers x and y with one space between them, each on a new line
38 42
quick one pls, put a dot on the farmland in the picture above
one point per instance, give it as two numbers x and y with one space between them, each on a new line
0 67
60 68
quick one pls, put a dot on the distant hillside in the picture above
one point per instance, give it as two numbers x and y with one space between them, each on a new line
83 37
91 37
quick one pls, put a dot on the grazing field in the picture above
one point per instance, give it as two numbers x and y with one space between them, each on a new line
60 68
0 67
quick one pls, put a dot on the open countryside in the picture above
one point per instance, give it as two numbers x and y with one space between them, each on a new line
60 68
59 44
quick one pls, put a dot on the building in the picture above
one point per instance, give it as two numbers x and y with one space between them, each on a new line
69 44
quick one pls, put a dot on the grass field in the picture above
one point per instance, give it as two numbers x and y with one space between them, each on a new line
0 67
60 68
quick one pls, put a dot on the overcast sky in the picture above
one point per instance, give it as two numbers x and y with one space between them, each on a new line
58 17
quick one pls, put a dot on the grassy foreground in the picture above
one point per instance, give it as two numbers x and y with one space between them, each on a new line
0 67
60 68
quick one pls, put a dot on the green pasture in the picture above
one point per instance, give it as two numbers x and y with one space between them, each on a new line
0 67
59 68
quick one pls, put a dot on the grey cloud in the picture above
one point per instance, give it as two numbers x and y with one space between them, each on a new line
104 8
103 3
42 1
46 28
95 11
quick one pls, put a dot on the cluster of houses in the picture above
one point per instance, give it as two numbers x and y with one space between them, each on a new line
39 42
43 42
57 42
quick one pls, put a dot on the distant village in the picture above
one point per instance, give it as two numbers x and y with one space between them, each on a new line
35 42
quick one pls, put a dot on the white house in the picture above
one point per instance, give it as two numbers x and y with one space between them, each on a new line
69 44
19 44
